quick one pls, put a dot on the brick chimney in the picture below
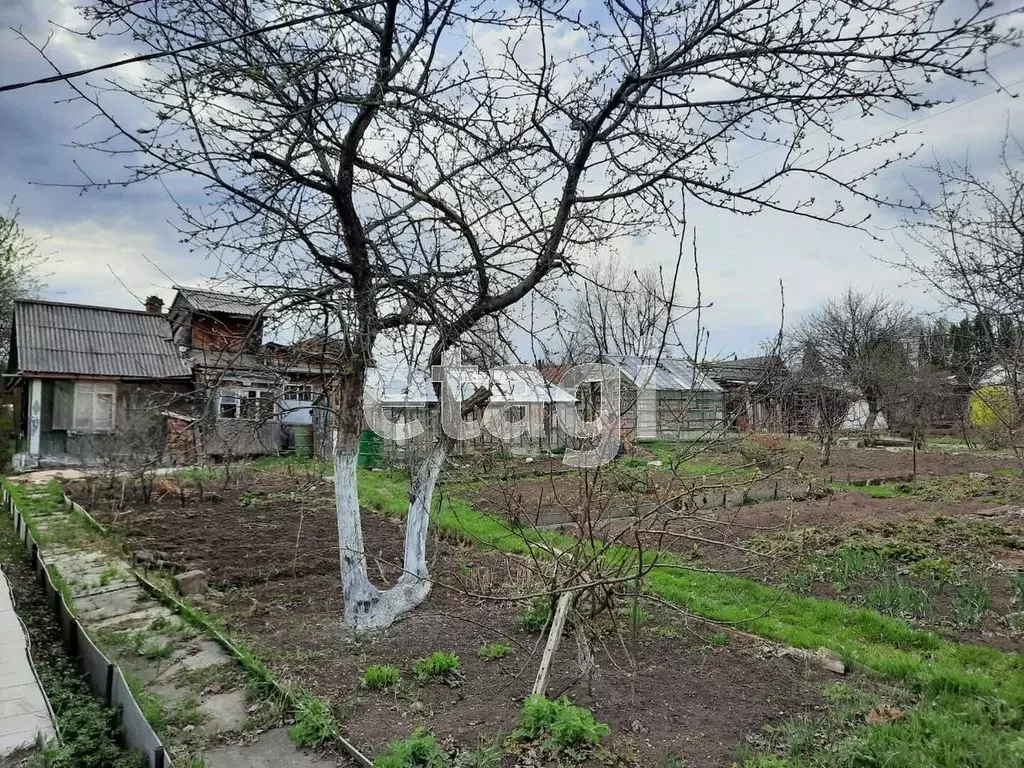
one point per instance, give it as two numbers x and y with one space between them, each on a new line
154 305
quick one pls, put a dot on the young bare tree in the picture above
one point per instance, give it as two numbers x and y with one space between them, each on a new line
427 165
857 341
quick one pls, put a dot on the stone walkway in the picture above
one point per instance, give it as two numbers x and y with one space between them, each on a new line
24 716
109 602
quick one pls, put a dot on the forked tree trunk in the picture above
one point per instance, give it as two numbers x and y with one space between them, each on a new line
368 608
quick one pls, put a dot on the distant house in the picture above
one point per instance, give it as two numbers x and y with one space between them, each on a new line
253 398
755 391
91 384
667 399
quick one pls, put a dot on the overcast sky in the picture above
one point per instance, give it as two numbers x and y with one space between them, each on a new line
116 246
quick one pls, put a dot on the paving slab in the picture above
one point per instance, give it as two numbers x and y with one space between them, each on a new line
24 716
272 749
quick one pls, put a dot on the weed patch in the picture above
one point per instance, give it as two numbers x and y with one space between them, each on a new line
420 750
440 665
559 725
379 677
493 651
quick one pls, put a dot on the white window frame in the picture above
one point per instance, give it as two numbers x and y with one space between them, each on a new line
306 390
93 390
238 395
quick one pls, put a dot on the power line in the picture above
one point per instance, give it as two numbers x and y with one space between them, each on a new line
65 76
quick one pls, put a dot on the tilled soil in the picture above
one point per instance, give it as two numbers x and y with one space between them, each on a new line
271 552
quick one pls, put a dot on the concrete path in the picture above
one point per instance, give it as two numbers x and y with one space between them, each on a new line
24 716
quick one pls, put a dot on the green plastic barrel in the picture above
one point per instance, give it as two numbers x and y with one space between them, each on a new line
369 449
303 440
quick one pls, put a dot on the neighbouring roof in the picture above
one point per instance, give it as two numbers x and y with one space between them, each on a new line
665 374
398 386
747 370
81 340
203 300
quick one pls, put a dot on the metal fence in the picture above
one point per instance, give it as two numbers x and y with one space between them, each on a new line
104 677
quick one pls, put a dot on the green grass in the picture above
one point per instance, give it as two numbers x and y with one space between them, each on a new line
420 750
314 722
880 491
894 597
970 603
493 651
379 677
440 665
558 725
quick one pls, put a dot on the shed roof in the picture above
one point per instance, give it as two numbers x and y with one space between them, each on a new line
745 369
203 300
666 373
81 340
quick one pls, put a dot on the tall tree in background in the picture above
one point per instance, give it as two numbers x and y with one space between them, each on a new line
861 340
424 165
625 311
19 262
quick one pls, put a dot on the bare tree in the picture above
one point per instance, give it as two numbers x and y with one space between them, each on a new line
19 261
969 248
423 166
856 341
817 398
623 311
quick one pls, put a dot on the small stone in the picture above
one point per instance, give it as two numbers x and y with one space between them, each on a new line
191 583
829 660
977 475
655 463
144 556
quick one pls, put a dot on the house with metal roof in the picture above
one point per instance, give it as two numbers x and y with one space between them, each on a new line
667 398
81 374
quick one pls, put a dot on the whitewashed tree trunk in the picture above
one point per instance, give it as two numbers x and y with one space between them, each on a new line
368 608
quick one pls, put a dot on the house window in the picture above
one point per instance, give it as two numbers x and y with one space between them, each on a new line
94 406
252 404
228 406
301 393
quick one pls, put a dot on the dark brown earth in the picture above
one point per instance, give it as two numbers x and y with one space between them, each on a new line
667 691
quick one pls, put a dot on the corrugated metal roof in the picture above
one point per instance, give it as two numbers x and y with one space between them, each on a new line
398 386
520 386
668 374
747 369
203 300
75 339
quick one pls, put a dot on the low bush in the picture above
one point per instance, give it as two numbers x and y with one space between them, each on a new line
380 676
420 750
559 725
440 665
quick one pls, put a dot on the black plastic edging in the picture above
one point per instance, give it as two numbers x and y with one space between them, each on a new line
156 758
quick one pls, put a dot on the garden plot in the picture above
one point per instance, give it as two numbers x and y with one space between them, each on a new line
671 687
668 687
